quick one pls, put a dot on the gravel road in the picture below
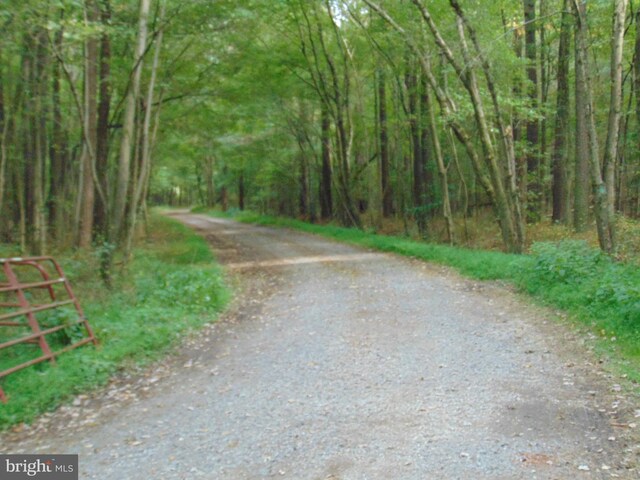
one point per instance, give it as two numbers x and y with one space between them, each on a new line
344 364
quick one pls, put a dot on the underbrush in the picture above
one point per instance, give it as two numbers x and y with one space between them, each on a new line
171 286
595 290
582 280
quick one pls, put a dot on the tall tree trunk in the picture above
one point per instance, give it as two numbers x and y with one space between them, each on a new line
604 222
581 187
533 134
58 149
128 127
101 218
87 191
210 199
561 133
224 195
145 139
241 190
3 135
442 169
326 203
31 141
385 183
426 148
543 95
516 122
419 190
40 127
615 106
304 199
636 92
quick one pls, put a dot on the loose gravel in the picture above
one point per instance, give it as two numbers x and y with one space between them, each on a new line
340 363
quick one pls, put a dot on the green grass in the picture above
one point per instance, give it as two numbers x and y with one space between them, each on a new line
593 289
172 286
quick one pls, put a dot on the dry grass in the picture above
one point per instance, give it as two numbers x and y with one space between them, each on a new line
482 232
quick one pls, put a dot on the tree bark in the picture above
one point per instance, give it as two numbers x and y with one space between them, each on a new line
615 106
241 191
426 148
442 169
326 203
101 217
128 127
561 134
419 168
385 183
604 222
533 135
87 190
636 92
58 151
145 139
3 135
210 199
581 187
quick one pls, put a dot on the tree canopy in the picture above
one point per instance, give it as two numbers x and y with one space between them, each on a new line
361 111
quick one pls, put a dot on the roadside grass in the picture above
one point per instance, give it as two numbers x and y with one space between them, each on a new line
594 290
171 287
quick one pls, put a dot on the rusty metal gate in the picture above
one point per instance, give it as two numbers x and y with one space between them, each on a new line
32 288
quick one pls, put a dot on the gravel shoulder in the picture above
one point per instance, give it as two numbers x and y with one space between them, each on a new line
340 363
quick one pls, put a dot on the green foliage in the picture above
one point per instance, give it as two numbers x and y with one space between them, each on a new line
568 262
172 286
581 279
62 316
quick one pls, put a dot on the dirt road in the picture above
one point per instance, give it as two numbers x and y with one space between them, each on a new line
339 363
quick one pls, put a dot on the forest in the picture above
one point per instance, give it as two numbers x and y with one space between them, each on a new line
321 238
437 119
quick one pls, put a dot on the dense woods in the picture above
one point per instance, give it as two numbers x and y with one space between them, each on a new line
426 115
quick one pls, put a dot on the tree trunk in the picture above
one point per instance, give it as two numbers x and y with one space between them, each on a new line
101 218
128 127
224 196
543 92
326 203
561 134
58 150
442 169
304 200
426 148
581 187
145 139
210 200
636 92
87 191
516 123
241 190
615 106
3 136
603 220
533 140
419 200
385 183
33 161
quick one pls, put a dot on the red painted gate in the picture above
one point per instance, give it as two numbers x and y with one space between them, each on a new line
30 289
